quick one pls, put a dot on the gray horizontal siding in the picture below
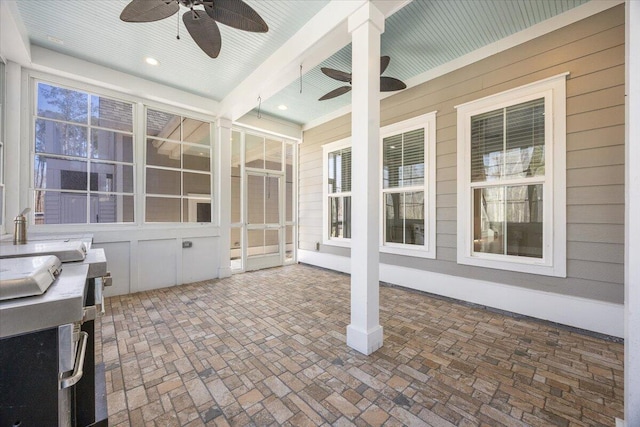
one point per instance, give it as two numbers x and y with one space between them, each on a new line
592 51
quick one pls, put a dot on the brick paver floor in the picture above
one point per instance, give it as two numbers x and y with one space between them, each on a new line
268 348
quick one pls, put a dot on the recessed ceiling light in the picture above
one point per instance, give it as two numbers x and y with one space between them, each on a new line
282 107
151 61
55 40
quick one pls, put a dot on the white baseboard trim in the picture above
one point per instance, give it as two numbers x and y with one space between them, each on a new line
224 272
597 316
366 342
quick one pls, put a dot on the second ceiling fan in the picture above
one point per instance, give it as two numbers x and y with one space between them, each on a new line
387 84
200 23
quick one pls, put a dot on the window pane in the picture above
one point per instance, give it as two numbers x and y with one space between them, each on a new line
196 183
272 200
62 104
339 173
488 220
163 125
508 143
256 190
413 158
392 161
236 248
414 218
112 208
271 242
525 140
112 114
107 145
54 173
254 151
59 207
163 153
289 182
487 145
196 210
394 222
196 158
160 209
524 220
340 217
196 131
273 155
108 177
403 159
235 195
255 245
61 138
288 235
161 181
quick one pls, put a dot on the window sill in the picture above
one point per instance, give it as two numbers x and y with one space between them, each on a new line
416 252
533 266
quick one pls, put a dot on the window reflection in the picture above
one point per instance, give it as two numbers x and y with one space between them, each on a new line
69 187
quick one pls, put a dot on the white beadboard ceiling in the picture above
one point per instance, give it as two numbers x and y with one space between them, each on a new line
422 35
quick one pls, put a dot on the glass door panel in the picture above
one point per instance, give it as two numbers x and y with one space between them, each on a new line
264 220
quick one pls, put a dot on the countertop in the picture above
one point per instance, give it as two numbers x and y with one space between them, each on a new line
62 303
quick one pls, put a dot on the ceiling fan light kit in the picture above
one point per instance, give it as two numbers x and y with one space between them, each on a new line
201 23
387 84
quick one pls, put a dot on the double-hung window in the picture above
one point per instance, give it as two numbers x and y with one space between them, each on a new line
408 187
511 182
178 168
83 157
337 183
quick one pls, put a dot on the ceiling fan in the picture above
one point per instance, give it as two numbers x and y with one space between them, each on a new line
201 24
387 84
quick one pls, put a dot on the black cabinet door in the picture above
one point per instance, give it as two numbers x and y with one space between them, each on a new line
29 379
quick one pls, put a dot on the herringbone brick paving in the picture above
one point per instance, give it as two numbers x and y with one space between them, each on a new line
268 348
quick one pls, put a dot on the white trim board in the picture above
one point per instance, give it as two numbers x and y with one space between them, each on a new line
597 316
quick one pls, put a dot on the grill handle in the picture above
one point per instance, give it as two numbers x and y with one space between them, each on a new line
79 366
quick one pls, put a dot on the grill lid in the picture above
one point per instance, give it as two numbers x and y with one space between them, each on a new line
67 251
29 276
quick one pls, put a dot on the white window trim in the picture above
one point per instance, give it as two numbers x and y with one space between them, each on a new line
139 121
428 123
326 149
181 169
34 81
553 261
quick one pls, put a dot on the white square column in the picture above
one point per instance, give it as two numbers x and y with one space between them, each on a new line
223 166
632 225
364 333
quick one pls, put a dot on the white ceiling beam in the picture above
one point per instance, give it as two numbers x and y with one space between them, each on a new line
319 38
14 40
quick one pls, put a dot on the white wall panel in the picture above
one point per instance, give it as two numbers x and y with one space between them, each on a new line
201 261
156 264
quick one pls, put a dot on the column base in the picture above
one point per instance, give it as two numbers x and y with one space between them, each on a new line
366 342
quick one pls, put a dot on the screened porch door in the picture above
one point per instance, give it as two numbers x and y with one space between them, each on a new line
264 221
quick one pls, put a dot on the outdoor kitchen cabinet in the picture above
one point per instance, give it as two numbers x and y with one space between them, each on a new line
45 380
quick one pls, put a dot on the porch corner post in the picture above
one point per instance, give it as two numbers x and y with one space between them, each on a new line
223 173
632 227
364 334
